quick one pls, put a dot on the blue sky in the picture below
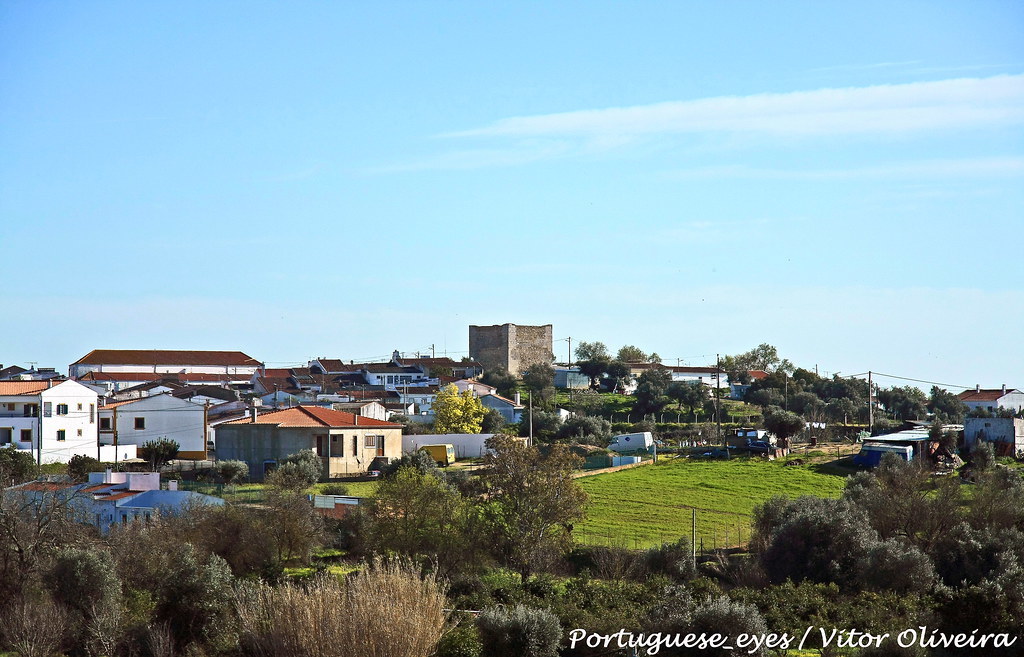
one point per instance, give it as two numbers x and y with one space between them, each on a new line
842 180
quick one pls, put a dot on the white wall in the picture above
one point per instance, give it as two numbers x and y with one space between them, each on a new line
165 416
80 423
467 445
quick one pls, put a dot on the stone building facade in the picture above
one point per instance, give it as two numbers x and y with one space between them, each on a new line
510 346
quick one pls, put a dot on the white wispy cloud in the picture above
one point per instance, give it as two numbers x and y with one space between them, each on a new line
987 167
893 108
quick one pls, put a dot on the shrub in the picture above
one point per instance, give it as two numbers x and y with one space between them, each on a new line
83 579
297 471
79 467
418 460
160 451
194 594
983 457
233 472
385 611
463 640
519 631
16 466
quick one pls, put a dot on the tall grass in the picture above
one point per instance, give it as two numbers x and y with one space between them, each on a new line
388 610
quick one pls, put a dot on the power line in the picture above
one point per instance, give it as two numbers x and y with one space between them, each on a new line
906 378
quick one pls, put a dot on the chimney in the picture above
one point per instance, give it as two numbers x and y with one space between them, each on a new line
172 484
1004 388
106 475
517 399
255 413
977 387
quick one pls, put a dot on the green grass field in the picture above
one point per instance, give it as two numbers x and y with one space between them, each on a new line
653 504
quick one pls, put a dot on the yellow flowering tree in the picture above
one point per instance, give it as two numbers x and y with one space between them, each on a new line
456 412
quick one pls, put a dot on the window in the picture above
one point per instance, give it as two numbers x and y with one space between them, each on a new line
10 407
140 423
61 434
355 445
62 409
104 424
79 433
92 413
26 435
369 441
47 409
79 407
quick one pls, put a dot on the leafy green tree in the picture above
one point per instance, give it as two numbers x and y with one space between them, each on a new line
586 429
419 460
654 358
194 595
592 351
519 631
592 359
504 381
16 466
631 354
783 424
160 451
546 425
80 465
650 390
84 579
297 471
493 422
539 376
456 412
946 406
532 501
765 397
414 513
904 402
691 394
619 372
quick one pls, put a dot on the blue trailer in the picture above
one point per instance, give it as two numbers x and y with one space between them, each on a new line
871 453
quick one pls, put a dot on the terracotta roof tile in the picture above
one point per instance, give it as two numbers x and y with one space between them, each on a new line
984 394
313 416
23 387
165 357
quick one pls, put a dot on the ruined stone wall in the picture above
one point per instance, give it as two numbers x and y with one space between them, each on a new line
489 346
510 346
529 345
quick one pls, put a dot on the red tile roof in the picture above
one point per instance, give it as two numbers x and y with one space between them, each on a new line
314 416
164 357
121 496
23 387
984 394
757 375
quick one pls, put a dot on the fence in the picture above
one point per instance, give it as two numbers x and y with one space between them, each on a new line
715 531
244 493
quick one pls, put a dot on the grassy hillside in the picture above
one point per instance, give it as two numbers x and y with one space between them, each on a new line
650 505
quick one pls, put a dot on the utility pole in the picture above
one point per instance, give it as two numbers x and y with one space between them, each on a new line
570 350
531 418
718 405
432 352
871 406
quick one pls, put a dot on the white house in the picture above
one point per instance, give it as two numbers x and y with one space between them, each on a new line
138 421
422 397
1005 434
479 389
52 420
710 376
113 498
993 399
165 361
509 409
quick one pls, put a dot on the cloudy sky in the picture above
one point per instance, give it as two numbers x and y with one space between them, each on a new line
842 180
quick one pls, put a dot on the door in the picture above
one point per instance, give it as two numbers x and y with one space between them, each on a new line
6 435
380 445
